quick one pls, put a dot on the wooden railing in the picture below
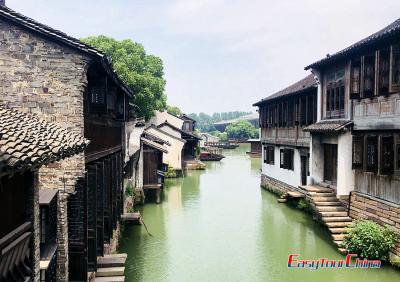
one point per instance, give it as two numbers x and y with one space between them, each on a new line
14 254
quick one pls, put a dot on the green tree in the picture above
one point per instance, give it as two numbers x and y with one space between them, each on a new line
173 110
142 73
241 130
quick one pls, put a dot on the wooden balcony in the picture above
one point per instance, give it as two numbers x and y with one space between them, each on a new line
15 262
293 136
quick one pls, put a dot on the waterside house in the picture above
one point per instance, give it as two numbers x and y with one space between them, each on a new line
356 141
349 128
285 146
28 249
73 85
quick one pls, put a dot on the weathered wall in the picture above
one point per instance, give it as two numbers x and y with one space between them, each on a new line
383 212
274 185
345 173
291 177
44 78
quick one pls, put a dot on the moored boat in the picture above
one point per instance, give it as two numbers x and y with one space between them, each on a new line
208 156
222 145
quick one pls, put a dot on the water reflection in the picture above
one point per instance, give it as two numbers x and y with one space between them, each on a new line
218 225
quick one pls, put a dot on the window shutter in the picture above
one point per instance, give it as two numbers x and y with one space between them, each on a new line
358 144
355 79
387 155
282 164
394 68
372 153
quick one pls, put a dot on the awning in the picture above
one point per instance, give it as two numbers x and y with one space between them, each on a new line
154 145
326 126
46 196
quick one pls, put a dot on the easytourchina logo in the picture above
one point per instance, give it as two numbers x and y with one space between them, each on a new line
351 261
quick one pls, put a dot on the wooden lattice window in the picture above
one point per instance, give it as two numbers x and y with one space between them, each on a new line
358 149
335 95
383 71
372 153
286 161
395 68
355 79
368 75
97 95
387 155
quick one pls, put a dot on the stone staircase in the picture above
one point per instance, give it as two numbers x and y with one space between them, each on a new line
111 268
330 210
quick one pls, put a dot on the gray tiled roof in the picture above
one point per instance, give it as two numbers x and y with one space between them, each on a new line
391 30
56 35
334 125
27 142
304 84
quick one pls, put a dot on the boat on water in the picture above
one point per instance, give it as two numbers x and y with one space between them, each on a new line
222 145
209 156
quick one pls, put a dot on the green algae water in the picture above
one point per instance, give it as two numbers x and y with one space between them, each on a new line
219 225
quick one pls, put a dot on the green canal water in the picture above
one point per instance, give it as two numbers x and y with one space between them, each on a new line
218 225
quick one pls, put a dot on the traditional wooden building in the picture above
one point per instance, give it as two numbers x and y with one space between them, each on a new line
356 141
255 148
27 230
285 147
62 80
154 167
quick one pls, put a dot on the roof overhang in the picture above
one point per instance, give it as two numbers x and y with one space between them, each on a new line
328 126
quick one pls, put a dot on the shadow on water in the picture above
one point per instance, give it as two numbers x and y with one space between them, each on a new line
219 225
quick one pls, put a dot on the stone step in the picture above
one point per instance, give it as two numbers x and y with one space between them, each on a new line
338 243
115 261
327 209
323 195
110 279
338 237
324 199
121 255
110 271
338 230
328 203
338 219
338 224
316 189
333 213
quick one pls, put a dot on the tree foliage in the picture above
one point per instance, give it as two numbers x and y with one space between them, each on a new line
205 122
241 130
142 73
173 110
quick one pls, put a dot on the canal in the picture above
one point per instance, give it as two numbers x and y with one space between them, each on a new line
218 225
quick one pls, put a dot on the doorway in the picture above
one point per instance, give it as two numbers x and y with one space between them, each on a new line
330 163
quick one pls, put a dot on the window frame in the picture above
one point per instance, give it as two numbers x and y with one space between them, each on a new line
287 159
269 154
358 139
392 86
374 140
387 157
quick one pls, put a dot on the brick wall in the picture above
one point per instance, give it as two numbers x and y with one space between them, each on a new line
48 79
363 206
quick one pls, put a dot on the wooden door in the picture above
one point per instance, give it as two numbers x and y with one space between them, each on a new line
330 163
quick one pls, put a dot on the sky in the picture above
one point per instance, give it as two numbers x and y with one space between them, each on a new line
222 55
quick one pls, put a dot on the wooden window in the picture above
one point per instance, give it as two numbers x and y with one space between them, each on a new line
97 95
303 111
387 155
358 145
383 71
395 68
291 113
372 153
368 85
269 157
286 161
355 79
310 109
335 94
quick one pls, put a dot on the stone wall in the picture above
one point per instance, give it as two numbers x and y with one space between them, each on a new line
276 186
383 212
48 79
